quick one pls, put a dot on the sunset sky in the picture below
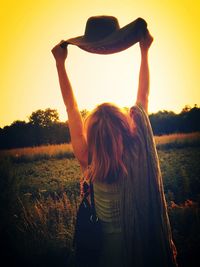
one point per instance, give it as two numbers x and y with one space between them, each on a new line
30 28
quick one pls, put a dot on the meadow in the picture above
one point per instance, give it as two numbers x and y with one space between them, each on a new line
40 196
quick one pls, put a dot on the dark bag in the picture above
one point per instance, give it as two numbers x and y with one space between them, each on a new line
88 231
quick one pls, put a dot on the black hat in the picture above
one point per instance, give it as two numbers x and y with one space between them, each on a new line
104 36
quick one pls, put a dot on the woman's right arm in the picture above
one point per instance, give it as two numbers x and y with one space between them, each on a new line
143 86
78 139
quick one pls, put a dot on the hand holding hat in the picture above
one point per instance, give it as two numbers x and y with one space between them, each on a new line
59 53
104 36
146 41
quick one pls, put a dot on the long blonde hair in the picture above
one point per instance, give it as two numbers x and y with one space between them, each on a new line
109 132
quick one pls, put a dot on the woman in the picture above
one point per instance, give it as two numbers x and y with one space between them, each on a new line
116 151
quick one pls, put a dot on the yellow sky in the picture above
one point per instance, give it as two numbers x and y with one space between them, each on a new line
30 28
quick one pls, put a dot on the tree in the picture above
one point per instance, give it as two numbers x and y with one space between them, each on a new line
164 122
44 118
186 109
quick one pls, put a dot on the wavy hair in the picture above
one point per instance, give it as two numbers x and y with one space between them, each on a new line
109 132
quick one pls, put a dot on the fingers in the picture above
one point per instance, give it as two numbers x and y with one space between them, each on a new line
63 44
60 51
147 35
146 40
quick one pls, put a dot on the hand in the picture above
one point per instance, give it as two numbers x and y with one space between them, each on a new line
146 41
60 52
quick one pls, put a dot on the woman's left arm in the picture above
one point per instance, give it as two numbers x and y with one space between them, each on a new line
74 117
143 86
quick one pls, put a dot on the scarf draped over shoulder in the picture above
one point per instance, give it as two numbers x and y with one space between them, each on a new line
143 210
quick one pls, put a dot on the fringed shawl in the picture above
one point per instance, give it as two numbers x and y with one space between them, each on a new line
143 211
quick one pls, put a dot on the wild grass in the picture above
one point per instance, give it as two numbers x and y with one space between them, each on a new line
37 215
47 219
185 222
44 230
29 154
178 140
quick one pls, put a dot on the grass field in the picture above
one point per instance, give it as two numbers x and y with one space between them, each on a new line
40 196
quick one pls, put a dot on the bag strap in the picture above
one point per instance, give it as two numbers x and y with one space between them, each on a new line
92 198
92 193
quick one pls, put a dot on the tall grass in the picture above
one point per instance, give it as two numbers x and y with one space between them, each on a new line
50 222
44 230
47 219
178 140
185 221
39 152
65 150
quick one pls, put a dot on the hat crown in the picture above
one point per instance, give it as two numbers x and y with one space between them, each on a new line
99 27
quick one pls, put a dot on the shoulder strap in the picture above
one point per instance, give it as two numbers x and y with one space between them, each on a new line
92 199
91 190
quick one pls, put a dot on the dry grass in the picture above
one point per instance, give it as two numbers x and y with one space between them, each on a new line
178 140
164 139
47 219
39 152
46 149
65 150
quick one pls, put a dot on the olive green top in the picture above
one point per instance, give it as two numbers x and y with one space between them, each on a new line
107 204
135 207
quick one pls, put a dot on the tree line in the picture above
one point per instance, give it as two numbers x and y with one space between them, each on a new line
44 127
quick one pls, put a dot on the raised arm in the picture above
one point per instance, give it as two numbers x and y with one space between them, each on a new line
75 120
143 86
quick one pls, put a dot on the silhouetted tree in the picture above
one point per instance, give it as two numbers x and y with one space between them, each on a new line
44 118
190 119
163 122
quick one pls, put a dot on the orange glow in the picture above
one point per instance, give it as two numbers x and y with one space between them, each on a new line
29 29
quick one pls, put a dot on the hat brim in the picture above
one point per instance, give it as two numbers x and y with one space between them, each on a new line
114 43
